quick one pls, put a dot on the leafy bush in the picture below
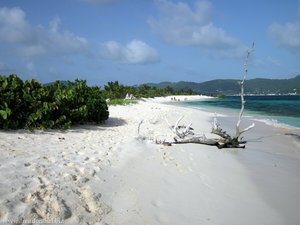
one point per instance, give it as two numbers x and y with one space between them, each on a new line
31 105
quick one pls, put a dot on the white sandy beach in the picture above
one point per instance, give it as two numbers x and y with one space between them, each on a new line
108 174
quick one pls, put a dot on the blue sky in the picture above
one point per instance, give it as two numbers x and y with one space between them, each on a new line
138 41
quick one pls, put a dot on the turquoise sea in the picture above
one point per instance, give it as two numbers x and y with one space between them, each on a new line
275 110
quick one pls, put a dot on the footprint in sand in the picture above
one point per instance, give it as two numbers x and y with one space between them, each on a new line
27 164
85 172
78 175
88 202
91 202
45 202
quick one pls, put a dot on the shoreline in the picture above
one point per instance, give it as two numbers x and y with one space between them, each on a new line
272 120
113 174
231 115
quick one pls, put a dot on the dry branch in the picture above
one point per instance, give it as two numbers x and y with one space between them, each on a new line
182 131
238 131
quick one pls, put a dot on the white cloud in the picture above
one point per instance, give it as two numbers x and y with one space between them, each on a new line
134 52
13 26
32 50
182 25
287 35
54 24
38 40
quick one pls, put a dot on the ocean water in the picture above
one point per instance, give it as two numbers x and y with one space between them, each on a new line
274 110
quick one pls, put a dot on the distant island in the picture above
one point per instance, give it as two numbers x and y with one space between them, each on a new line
258 86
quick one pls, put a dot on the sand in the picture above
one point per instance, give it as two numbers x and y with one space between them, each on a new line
111 174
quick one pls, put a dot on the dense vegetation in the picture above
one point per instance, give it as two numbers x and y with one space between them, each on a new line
115 90
231 87
31 105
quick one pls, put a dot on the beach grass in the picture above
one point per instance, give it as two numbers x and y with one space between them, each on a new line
122 101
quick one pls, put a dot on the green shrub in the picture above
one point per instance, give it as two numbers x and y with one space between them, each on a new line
11 102
31 105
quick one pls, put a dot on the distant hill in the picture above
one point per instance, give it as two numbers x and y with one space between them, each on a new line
231 86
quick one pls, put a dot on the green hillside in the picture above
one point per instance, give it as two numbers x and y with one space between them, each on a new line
231 87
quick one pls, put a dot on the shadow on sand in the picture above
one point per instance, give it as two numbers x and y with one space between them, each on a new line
114 122
110 122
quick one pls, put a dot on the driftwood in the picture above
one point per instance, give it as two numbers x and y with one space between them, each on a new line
185 134
182 131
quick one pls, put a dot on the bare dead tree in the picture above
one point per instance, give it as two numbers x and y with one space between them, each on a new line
235 142
185 134
238 130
